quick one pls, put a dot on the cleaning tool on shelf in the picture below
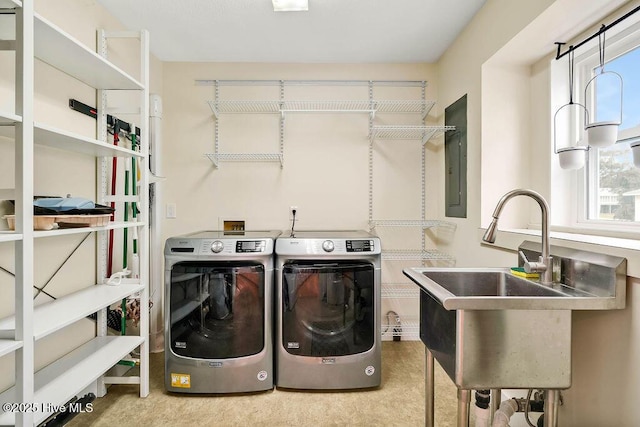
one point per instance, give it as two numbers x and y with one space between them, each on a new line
114 170
135 259
125 240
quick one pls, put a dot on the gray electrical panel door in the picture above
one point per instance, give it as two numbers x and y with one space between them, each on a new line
455 157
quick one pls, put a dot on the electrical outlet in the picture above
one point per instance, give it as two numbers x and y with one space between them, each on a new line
171 210
291 209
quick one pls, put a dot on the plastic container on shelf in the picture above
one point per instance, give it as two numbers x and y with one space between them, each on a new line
40 222
67 221
49 222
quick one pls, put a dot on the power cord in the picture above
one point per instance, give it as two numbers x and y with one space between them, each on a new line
293 221
397 328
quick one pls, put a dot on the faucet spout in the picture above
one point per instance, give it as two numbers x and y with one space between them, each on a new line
544 263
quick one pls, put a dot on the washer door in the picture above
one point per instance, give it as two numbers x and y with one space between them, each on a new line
327 308
217 309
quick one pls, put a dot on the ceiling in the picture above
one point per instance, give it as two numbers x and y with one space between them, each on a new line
332 31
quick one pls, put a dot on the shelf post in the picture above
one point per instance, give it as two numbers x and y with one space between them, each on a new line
282 119
24 248
143 237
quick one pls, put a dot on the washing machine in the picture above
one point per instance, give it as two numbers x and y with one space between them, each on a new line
328 310
219 312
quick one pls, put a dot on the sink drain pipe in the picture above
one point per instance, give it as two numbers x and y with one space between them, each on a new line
509 407
504 413
482 411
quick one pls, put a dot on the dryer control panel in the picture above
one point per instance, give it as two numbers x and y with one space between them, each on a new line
360 246
328 246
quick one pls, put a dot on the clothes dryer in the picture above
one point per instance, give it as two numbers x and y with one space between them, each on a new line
219 312
328 310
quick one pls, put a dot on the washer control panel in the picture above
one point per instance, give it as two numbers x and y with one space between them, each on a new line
244 246
360 246
218 244
233 246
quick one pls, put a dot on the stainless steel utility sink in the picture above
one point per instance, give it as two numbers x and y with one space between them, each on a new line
490 329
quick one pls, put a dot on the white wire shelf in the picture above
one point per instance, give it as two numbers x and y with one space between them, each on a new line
244 107
405 106
353 106
427 223
399 291
8 119
216 159
415 255
409 326
415 133
312 106
381 83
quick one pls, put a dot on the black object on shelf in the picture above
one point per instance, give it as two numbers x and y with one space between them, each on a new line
112 121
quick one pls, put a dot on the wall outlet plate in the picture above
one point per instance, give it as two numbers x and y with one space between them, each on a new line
291 209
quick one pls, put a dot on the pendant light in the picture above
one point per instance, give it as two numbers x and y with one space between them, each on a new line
572 156
603 133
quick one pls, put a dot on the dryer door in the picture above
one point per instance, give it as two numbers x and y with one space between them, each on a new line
328 307
217 309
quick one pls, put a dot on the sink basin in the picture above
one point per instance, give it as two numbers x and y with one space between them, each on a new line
488 329
499 289
468 283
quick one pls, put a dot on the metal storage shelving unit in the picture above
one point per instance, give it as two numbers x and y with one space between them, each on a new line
64 378
283 107
370 106
421 133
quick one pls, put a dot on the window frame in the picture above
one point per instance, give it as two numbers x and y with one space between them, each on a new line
618 44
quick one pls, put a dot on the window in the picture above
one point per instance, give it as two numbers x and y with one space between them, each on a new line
611 182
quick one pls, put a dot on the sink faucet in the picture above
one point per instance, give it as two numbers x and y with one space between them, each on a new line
544 263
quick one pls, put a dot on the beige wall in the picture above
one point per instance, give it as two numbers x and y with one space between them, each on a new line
326 166
326 155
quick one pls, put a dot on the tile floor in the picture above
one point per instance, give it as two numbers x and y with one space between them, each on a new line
398 402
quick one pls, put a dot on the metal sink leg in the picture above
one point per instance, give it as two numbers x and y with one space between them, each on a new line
429 383
494 404
464 399
551 403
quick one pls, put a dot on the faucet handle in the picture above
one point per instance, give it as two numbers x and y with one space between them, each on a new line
533 267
